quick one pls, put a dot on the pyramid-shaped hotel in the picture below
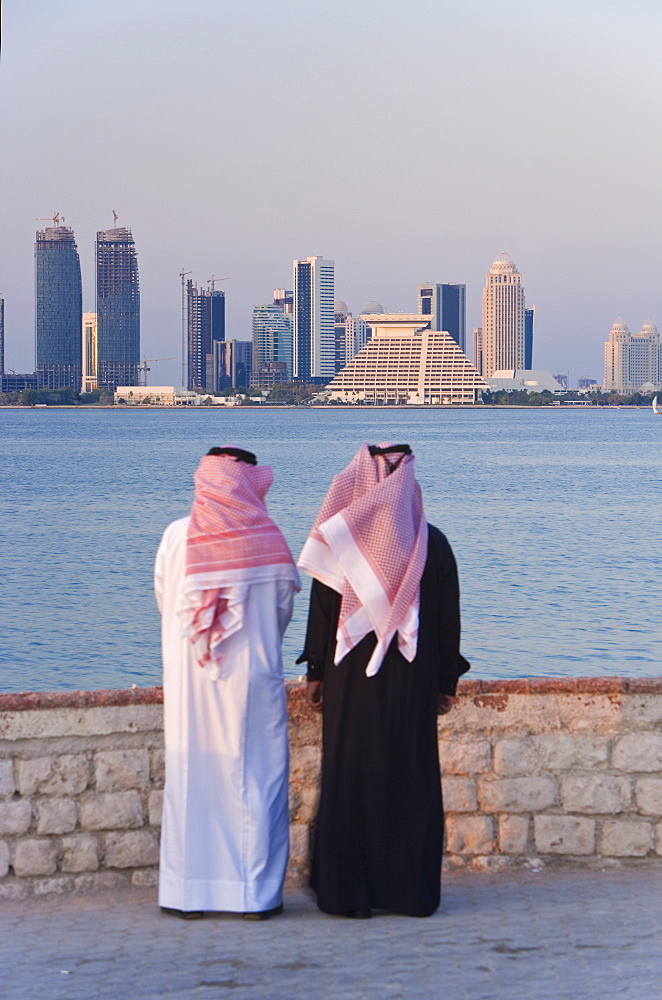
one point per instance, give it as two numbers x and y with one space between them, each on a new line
406 362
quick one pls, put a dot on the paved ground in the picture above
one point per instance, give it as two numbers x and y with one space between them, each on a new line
552 935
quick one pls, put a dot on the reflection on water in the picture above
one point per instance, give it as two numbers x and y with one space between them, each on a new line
553 515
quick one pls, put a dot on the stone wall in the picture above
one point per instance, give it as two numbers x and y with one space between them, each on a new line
535 771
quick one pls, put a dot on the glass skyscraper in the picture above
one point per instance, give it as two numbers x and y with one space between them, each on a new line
206 326
314 336
58 309
118 309
445 304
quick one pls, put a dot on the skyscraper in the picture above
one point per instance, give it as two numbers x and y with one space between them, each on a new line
632 360
529 316
2 336
445 304
206 326
314 346
58 309
272 338
118 309
503 318
89 352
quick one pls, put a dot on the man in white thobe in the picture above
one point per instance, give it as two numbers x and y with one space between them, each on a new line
225 582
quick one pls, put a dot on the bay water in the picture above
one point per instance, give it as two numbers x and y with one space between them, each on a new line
554 515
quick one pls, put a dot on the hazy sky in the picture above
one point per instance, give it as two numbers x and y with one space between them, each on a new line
409 142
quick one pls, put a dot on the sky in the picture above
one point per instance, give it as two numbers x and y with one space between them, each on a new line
407 142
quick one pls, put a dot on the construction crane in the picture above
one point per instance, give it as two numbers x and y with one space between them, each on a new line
212 281
56 219
114 218
182 275
144 368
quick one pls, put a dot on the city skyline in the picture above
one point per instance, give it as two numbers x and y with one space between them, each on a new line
552 183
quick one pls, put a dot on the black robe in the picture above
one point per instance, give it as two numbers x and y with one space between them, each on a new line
379 831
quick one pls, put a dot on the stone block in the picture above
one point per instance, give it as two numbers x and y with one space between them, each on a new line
516 795
564 835
52 886
7 784
15 817
157 767
304 784
80 853
459 794
56 815
146 878
515 757
66 774
35 857
595 793
134 849
648 795
514 834
100 880
4 858
155 807
567 751
637 752
111 811
658 837
469 835
14 888
462 757
623 838
118 770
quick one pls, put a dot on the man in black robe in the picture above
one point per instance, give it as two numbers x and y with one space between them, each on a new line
379 831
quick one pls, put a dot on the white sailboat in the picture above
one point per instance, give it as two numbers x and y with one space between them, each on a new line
657 410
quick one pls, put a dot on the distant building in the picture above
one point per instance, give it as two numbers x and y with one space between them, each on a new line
232 364
583 382
313 341
156 395
406 362
340 353
503 317
478 349
89 347
284 300
58 309
2 336
118 309
445 304
632 360
535 380
272 338
562 379
268 374
17 383
529 316
205 317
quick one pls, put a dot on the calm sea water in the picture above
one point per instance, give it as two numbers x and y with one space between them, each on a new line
554 516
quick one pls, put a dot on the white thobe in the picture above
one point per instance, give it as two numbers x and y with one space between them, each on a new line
224 835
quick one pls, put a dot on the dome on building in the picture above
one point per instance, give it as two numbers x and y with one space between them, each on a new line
647 388
648 328
504 264
372 307
619 326
340 307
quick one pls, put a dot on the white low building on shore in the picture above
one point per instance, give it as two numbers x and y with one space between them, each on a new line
155 395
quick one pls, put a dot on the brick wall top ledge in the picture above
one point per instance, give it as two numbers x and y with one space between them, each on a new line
31 700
